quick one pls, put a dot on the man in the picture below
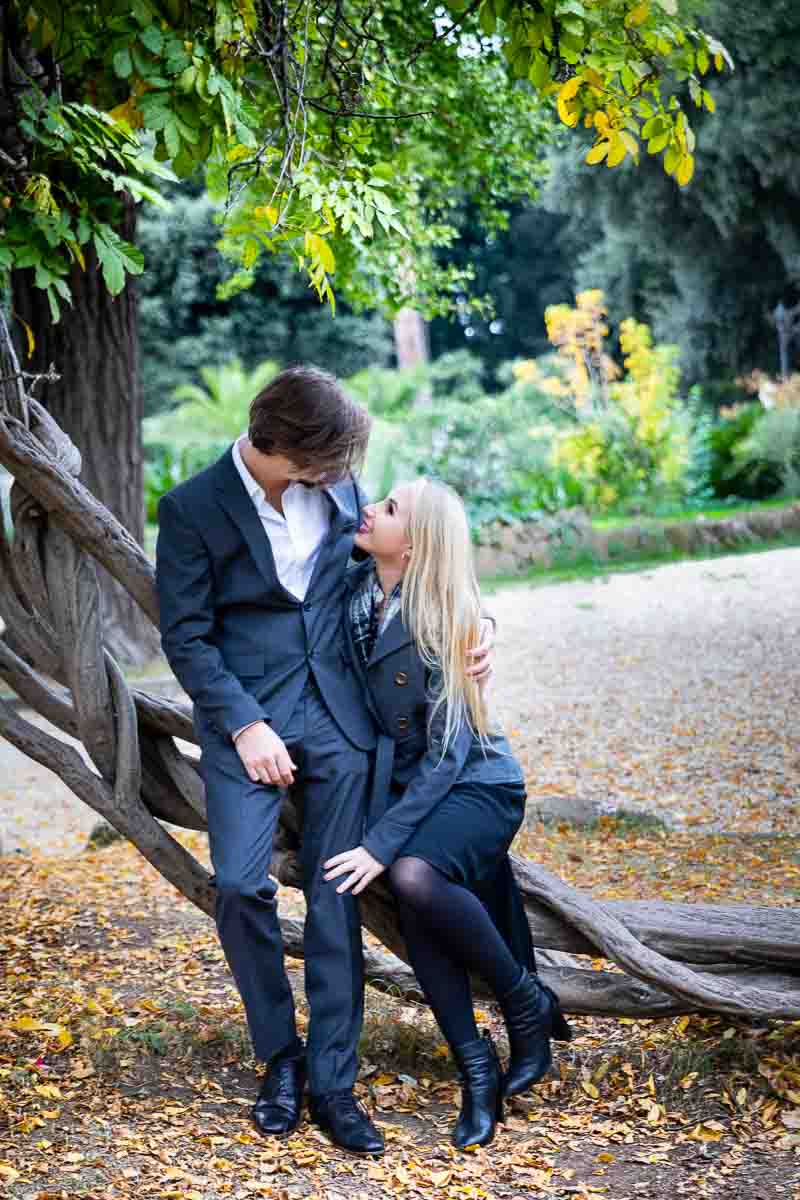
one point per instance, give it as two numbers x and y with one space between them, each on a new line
250 569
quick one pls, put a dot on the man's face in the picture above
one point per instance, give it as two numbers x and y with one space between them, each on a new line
279 467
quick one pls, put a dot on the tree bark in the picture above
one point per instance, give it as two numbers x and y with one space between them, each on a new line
411 348
98 403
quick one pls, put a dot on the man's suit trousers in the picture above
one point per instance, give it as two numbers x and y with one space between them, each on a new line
242 818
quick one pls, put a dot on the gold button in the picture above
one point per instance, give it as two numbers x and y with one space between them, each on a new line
401 679
402 722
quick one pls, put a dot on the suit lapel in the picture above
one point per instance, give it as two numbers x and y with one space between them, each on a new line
233 497
343 521
353 578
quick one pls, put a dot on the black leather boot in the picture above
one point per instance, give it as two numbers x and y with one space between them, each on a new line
481 1093
533 1016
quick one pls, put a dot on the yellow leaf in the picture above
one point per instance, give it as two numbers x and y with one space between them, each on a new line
268 212
605 1157
323 252
718 62
617 151
31 348
631 144
590 1089
638 14
709 102
76 253
597 153
702 1133
27 1024
569 90
683 174
127 114
48 1090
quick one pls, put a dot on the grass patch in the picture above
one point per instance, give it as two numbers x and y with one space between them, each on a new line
587 566
178 1033
714 512
628 820
402 1039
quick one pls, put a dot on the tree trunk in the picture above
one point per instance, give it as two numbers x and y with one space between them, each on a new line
98 403
411 348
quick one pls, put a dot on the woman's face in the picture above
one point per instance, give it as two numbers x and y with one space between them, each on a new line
384 529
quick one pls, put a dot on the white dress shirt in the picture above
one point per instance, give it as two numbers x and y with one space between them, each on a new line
295 537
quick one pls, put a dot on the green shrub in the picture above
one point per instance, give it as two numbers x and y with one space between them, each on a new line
732 473
772 451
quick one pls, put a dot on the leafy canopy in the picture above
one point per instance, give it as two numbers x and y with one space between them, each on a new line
342 132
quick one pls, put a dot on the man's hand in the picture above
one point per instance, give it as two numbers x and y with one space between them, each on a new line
360 864
480 659
264 755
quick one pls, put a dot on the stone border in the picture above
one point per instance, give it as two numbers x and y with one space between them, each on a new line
508 549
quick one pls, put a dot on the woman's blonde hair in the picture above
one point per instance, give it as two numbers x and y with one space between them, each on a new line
441 604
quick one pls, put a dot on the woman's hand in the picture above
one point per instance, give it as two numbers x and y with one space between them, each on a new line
360 864
480 659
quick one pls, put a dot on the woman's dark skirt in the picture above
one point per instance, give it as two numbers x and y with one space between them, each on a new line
467 837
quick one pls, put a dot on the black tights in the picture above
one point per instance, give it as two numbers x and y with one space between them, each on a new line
449 933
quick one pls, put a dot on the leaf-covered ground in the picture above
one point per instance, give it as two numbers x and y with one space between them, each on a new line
125 1070
124 1065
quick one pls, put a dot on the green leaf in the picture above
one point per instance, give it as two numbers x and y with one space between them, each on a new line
153 39
488 20
657 143
122 63
142 12
55 308
172 138
539 73
117 258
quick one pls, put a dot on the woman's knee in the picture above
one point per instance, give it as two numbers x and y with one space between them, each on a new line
411 880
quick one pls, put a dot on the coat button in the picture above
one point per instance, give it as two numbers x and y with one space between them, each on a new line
401 679
402 722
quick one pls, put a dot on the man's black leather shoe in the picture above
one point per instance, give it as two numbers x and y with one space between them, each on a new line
346 1122
279 1106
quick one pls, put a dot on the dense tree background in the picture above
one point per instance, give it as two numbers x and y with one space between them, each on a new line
704 265
184 326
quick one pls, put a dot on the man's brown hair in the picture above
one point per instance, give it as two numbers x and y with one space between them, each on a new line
305 415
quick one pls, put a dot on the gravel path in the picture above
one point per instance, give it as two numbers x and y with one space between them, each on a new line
676 690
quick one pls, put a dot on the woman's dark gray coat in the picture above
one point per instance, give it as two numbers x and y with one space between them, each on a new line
458 811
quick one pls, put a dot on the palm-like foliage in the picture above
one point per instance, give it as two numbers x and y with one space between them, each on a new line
215 413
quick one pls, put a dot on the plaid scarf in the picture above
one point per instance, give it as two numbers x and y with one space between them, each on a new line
365 604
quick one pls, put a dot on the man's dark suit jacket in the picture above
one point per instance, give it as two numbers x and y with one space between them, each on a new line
240 644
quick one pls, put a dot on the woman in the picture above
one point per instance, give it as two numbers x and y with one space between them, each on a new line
448 798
